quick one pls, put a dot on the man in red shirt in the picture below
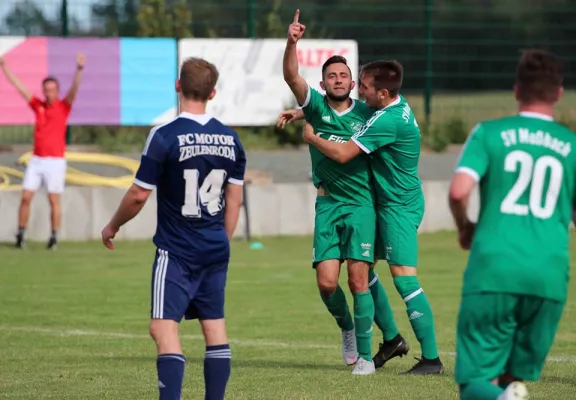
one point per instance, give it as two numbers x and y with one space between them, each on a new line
48 164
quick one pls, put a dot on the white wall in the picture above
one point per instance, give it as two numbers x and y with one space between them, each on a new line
276 209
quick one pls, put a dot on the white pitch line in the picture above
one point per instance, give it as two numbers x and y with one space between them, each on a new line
239 342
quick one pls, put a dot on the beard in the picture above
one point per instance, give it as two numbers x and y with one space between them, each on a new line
336 97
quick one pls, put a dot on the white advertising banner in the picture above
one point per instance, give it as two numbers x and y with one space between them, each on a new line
251 90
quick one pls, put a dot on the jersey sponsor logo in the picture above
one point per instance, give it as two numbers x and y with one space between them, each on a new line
511 137
337 139
326 118
213 144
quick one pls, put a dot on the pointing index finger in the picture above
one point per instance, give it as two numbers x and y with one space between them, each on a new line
296 16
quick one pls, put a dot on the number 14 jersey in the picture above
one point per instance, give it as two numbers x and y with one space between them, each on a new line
189 161
526 169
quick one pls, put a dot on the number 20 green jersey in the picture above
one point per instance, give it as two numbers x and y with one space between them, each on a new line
526 167
350 182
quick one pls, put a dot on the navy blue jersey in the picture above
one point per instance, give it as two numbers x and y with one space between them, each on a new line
190 161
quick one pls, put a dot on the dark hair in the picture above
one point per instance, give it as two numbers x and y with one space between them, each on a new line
334 60
50 79
387 75
539 75
198 79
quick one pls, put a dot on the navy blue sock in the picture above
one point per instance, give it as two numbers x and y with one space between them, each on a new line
170 375
216 371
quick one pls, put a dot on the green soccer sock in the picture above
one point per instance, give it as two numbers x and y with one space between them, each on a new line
338 307
480 391
419 314
383 315
363 320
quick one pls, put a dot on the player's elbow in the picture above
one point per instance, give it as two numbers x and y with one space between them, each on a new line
233 196
343 157
457 194
461 187
139 195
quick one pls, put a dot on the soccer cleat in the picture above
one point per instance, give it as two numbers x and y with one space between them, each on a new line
364 367
52 243
515 391
349 349
389 350
20 241
426 367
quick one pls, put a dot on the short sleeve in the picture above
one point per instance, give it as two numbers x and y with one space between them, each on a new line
474 156
152 161
35 103
379 131
237 175
312 102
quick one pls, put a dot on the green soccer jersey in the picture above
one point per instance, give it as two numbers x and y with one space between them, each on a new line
351 182
392 138
526 171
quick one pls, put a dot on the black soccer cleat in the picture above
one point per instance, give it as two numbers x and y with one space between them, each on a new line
426 367
52 243
397 347
20 241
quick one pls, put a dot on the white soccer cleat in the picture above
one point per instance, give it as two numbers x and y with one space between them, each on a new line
349 349
364 367
515 391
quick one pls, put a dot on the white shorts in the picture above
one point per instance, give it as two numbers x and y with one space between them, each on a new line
50 171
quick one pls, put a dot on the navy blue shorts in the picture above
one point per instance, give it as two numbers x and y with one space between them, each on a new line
190 291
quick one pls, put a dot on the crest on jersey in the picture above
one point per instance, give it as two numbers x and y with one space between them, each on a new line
356 126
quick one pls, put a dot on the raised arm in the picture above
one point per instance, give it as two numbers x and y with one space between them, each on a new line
80 61
297 84
14 81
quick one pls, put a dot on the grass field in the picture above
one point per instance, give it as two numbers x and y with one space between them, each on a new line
73 325
480 106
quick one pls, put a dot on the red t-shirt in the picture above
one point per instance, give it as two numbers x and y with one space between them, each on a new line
50 129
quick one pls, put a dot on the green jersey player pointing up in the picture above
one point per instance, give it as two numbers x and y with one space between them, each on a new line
391 138
516 281
345 221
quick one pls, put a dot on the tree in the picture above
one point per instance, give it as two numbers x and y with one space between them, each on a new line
163 18
116 17
29 20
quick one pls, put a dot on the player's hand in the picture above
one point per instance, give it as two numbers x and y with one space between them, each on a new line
307 132
466 234
289 116
296 29
80 60
108 233
2 62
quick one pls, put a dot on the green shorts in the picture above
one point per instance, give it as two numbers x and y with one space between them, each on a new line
343 231
504 333
397 232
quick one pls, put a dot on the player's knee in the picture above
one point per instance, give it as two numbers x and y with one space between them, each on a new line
54 200
357 284
401 270
358 276
165 334
327 286
327 280
26 198
214 331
